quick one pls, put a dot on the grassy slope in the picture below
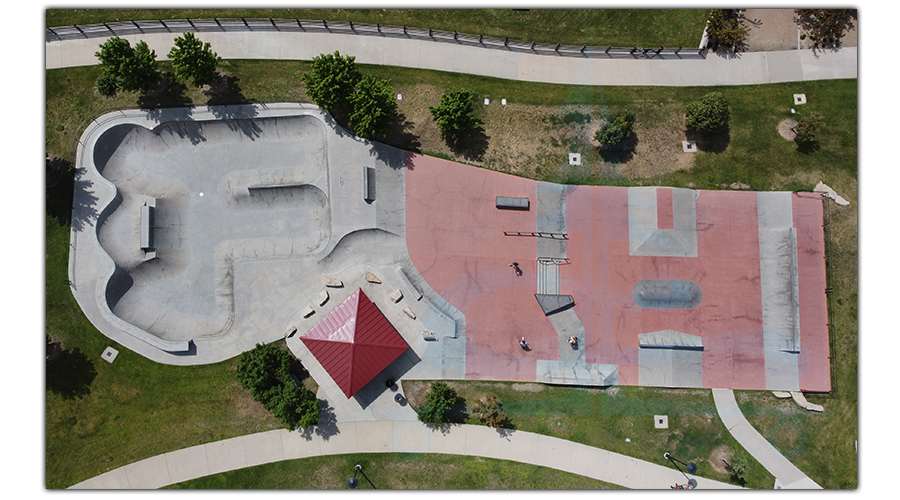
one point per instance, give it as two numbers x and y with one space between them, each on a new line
408 471
617 27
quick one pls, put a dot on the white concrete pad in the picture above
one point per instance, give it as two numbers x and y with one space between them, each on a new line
342 442
554 452
411 437
189 463
109 354
482 442
519 446
588 461
150 473
374 436
451 442
225 455
264 447
300 445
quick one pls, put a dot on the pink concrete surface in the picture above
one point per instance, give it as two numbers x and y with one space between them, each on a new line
815 373
455 239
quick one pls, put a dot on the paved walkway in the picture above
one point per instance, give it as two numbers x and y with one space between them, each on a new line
743 69
786 474
391 437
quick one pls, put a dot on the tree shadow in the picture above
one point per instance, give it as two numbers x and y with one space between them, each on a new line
327 427
620 153
471 147
60 189
238 117
225 90
808 147
458 413
170 92
70 374
83 207
400 134
711 143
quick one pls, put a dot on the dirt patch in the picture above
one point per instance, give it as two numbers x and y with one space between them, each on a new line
528 387
786 129
415 391
718 457
659 150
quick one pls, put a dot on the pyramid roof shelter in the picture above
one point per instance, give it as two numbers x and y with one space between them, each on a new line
354 342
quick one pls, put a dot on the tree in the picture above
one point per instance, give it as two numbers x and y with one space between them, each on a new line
616 129
126 68
490 412
374 107
725 28
454 116
438 403
193 59
265 372
806 130
140 73
825 26
709 115
332 81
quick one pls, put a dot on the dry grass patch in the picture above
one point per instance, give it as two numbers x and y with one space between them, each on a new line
659 150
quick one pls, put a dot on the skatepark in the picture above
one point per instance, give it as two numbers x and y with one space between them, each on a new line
207 231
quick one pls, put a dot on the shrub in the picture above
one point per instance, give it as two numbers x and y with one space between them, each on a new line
490 412
438 403
806 130
709 115
725 29
454 116
265 372
616 129
106 85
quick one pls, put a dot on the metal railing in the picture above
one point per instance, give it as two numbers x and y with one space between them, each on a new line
123 28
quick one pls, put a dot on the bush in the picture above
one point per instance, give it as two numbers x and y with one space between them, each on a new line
265 372
806 130
490 412
709 115
725 29
106 85
616 129
438 403
454 116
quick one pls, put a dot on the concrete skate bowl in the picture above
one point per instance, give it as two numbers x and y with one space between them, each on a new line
216 194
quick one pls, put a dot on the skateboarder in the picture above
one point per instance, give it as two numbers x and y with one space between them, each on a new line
523 344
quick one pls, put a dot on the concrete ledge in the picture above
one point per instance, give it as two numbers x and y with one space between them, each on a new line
554 303
512 203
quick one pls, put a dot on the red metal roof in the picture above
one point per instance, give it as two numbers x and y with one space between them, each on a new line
354 342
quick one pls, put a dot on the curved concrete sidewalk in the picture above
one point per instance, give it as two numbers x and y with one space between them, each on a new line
743 69
391 437
784 471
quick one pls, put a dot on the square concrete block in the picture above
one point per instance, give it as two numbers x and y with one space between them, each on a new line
799 98
689 146
574 159
344 441
332 282
109 354
322 298
148 473
554 452
297 444
374 437
307 311
396 295
409 312
588 461
486 101
189 463
371 278
661 421
411 437
520 446
452 442
225 455
263 448
482 441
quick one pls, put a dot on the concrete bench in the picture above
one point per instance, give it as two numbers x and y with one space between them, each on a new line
147 210
369 184
512 203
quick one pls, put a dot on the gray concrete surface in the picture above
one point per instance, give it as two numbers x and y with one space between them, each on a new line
645 238
391 437
786 474
746 68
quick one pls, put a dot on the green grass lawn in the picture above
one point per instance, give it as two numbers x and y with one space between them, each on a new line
606 417
407 471
100 416
599 27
